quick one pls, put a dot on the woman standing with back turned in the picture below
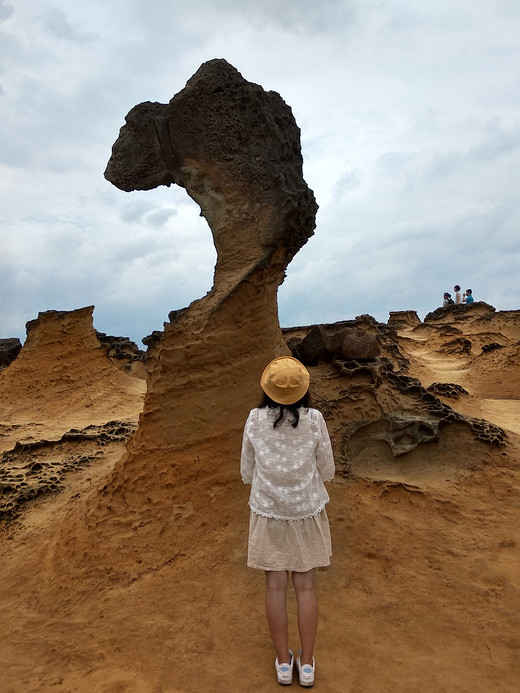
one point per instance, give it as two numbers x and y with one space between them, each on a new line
286 457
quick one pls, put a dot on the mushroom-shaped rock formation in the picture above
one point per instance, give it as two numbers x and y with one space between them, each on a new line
235 148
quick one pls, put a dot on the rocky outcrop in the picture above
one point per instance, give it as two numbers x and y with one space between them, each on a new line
459 345
376 404
63 404
124 353
358 345
398 319
63 375
312 347
486 348
235 148
451 390
459 312
361 339
9 350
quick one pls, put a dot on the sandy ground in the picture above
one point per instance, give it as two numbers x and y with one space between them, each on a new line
422 594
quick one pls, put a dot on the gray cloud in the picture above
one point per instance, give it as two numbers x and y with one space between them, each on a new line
410 119
6 10
56 22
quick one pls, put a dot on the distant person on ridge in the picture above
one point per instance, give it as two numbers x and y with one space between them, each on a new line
448 301
467 296
286 457
458 298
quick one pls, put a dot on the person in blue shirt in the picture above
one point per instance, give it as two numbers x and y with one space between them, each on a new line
467 297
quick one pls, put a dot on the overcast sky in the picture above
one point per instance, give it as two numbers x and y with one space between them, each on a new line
410 120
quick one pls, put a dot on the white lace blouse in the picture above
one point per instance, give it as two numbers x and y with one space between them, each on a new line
286 466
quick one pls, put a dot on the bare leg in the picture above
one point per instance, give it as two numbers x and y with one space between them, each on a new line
276 582
307 604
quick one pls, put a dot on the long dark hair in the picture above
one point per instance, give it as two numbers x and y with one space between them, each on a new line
285 409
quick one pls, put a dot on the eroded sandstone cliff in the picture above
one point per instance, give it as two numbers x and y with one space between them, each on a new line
64 404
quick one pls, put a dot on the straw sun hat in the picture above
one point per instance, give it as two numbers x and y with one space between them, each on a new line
285 380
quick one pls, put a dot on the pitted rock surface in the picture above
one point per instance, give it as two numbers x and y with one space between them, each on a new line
451 390
366 406
30 470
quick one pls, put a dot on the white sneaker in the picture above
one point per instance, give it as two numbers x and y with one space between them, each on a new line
284 671
306 673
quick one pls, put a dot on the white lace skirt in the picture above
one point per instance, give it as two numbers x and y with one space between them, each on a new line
297 545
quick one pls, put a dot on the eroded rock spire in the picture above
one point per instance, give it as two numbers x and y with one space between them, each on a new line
235 148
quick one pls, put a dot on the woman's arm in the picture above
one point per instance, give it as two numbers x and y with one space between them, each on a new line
324 456
247 458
